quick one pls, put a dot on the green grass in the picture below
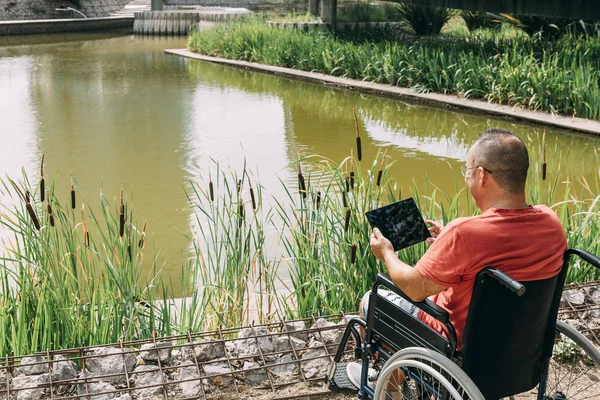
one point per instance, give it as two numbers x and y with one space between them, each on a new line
561 77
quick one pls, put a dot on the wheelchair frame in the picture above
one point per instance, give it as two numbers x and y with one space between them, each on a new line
385 334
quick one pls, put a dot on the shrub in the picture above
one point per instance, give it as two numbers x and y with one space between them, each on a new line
425 20
477 20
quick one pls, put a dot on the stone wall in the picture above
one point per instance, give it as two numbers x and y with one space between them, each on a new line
46 9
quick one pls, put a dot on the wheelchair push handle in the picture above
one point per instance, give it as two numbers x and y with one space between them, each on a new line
510 283
589 257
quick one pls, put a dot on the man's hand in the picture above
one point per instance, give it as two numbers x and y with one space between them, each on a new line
435 230
380 246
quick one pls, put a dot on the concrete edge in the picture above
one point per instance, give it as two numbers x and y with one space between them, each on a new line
435 99
41 26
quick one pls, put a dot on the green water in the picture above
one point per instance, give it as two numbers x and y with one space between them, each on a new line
115 111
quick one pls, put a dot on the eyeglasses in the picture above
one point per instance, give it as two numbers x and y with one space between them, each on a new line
464 169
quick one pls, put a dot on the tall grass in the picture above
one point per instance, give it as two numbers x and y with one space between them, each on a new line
72 276
560 77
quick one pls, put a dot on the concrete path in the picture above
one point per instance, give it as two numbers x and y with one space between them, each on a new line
133 7
436 99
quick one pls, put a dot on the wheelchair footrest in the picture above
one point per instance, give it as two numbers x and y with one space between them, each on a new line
338 379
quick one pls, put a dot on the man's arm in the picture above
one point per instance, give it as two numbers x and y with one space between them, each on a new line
407 278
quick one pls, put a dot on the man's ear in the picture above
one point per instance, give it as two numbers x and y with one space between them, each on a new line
482 178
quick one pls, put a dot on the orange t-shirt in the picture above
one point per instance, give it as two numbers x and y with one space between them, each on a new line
526 243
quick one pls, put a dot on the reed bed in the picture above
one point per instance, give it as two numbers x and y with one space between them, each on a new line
560 77
72 277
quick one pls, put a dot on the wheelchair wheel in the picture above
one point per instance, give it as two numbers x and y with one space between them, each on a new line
574 372
417 373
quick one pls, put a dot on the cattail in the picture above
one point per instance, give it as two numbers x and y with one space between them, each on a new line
347 181
239 186
122 216
358 144
344 201
351 180
31 213
241 214
544 156
318 199
27 197
42 182
50 216
301 182
379 174
211 189
347 222
129 252
141 242
353 253
72 193
252 198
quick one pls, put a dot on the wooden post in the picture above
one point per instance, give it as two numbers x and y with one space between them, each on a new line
328 12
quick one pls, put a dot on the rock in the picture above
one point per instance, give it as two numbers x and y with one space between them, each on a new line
147 375
23 381
254 337
220 369
88 391
34 365
63 369
285 343
109 360
257 375
594 293
207 350
295 328
329 336
314 367
574 297
231 348
187 371
283 370
152 352
593 315
575 323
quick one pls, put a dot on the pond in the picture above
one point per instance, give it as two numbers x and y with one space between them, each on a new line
116 112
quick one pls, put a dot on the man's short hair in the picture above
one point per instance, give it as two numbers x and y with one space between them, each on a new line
505 154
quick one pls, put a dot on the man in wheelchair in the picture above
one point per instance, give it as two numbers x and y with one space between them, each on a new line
447 297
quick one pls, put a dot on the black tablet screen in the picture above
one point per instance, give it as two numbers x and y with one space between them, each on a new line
401 223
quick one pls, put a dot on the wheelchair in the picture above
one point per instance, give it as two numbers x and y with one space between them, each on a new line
513 346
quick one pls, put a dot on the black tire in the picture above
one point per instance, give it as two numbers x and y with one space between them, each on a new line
574 372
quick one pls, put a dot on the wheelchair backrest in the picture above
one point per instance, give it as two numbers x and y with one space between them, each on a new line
508 338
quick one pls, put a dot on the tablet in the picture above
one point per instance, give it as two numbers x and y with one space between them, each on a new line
401 223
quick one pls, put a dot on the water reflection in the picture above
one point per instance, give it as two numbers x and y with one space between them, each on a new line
116 111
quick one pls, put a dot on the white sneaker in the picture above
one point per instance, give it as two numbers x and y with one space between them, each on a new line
354 370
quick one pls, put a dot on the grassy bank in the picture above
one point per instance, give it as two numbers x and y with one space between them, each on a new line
560 77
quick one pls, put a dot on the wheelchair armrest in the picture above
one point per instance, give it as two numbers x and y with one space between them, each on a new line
426 305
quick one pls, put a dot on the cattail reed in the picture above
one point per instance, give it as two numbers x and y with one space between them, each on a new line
347 182
241 214
31 213
358 144
72 193
27 197
50 215
351 180
141 242
344 200
353 253
86 234
42 182
211 189
129 252
239 186
380 173
252 197
544 156
122 216
347 222
301 182
318 199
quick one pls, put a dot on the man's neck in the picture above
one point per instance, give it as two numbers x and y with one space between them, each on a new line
509 203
